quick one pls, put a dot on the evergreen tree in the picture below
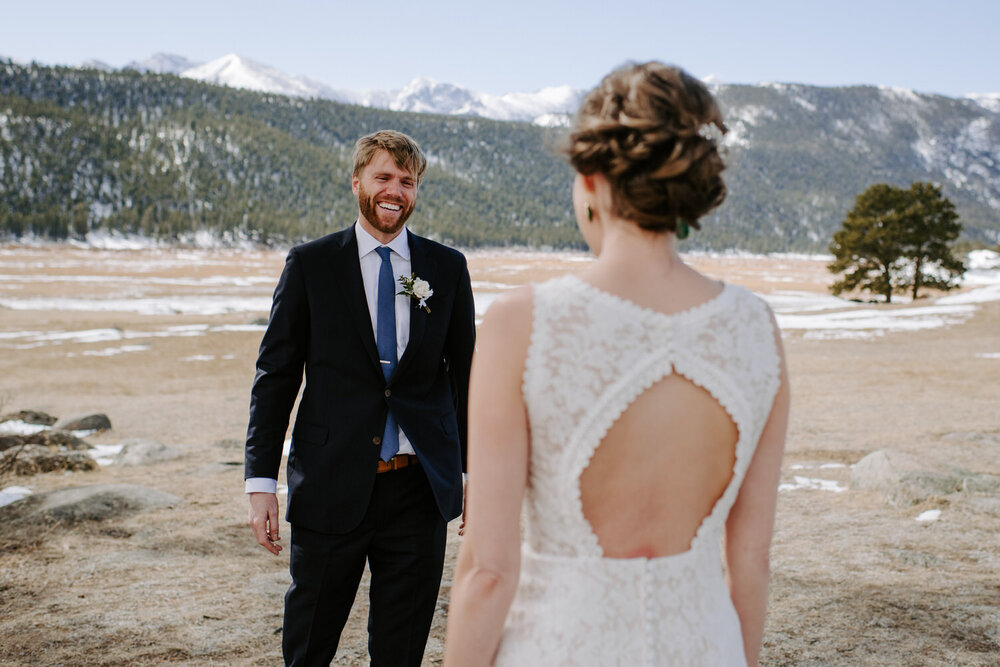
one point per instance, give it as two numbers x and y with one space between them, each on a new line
897 239
933 224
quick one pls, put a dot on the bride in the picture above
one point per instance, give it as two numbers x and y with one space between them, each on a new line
637 409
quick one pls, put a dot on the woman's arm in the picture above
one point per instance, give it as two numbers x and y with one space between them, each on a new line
751 521
487 570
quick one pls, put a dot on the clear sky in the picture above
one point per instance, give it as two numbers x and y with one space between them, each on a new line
503 46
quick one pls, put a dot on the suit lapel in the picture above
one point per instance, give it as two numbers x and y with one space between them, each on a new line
420 267
348 270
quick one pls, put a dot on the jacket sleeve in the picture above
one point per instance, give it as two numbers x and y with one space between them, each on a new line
459 346
280 361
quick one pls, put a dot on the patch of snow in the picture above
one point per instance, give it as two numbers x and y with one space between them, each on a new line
869 319
113 351
553 120
988 101
18 427
797 302
104 455
984 260
978 295
483 300
812 484
822 466
12 494
929 515
174 305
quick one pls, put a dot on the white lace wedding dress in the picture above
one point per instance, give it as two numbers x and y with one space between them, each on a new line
591 355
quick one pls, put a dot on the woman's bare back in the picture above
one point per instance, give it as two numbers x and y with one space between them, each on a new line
659 470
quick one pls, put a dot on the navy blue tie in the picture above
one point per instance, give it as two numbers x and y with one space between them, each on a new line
385 340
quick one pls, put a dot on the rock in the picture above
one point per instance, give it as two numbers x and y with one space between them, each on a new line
30 417
55 438
981 484
33 459
87 503
94 422
52 439
901 478
142 451
11 441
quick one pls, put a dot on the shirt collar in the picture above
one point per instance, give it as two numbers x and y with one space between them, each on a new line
367 243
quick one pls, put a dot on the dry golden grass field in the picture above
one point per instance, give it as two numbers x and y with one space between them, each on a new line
164 343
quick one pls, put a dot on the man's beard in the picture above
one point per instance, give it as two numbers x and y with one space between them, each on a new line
371 212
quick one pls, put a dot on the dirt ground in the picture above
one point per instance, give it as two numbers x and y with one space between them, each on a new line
855 580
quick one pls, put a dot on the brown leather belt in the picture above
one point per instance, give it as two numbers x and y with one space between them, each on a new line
396 462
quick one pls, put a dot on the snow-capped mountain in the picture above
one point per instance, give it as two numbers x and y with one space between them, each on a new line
92 63
239 72
548 106
163 63
988 101
424 95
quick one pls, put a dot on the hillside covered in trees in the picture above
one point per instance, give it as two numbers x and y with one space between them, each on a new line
166 156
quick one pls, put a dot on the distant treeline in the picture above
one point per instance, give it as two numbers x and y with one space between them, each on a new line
166 156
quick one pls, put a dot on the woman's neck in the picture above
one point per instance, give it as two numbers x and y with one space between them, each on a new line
637 254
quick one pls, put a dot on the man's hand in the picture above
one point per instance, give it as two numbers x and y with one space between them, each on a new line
465 496
264 520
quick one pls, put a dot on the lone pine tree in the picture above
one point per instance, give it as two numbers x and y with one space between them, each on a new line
895 240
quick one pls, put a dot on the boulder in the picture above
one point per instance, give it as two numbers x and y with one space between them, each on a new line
30 417
50 438
902 479
93 422
982 483
10 441
142 451
87 503
33 459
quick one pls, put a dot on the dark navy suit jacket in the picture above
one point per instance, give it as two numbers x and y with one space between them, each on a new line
320 323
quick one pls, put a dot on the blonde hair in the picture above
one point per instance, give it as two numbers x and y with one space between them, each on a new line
644 128
404 151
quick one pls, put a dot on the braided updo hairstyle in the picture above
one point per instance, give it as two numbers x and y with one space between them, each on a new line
641 128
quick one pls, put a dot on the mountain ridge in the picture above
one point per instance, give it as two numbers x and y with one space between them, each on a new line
85 149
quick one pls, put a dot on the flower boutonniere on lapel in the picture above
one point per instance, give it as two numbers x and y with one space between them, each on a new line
416 288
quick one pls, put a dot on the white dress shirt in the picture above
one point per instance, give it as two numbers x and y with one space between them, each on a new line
371 263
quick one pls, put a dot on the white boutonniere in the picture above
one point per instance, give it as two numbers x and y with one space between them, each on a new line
416 288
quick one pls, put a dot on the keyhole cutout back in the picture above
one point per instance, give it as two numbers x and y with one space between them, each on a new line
659 471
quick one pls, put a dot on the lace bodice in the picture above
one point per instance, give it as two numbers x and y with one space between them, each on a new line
591 355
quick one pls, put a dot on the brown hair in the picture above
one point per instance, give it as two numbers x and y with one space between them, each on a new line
404 151
642 128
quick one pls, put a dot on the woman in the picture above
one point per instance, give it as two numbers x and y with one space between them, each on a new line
638 408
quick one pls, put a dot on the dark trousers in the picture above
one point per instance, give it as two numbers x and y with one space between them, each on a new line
402 536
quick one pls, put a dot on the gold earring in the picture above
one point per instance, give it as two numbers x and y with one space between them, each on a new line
589 211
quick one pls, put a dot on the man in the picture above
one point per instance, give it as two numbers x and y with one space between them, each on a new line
378 446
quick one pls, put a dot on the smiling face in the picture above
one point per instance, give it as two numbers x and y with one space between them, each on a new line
387 195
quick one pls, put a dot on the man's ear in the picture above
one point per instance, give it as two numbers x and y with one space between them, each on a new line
354 185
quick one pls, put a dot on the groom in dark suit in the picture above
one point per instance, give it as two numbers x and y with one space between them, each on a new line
378 446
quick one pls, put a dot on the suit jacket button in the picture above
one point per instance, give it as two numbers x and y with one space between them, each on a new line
388 393
377 440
